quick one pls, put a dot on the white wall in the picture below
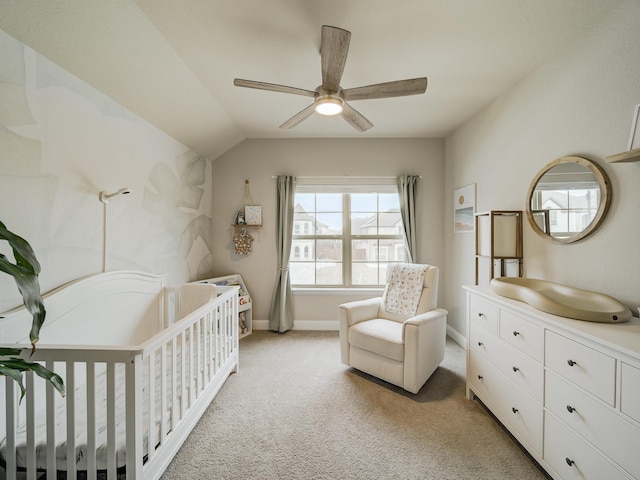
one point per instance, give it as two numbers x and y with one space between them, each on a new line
259 160
579 103
61 143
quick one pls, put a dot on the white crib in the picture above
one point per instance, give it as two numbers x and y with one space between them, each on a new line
141 363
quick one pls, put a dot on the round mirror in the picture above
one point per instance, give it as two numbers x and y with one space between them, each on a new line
568 199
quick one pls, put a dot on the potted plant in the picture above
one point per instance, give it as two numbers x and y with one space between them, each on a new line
25 273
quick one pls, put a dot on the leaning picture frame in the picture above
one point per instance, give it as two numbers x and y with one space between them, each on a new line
464 205
253 214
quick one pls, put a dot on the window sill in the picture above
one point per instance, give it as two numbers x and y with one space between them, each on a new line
375 291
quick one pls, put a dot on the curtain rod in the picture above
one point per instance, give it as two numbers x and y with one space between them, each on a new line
343 177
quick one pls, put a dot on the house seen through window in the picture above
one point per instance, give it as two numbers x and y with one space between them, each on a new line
345 238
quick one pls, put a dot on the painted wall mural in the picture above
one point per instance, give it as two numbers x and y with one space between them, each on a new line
176 198
61 143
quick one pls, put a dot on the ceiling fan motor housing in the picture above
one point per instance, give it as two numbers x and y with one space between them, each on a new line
327 102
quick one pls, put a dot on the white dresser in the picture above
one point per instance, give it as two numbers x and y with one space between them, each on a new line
568 390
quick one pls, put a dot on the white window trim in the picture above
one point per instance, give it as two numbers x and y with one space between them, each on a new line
345 185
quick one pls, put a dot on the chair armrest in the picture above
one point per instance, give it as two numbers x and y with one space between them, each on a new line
424 336
350 314
358 311
426 317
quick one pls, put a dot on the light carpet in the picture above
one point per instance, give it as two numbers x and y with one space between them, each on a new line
294 411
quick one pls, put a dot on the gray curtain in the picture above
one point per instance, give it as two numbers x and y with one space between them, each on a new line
281 312
407 193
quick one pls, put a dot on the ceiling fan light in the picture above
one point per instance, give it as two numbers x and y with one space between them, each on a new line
329 106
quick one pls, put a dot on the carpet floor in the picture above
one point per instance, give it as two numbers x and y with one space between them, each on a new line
294 411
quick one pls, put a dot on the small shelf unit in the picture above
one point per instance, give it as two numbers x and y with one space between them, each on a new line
244 300
499 237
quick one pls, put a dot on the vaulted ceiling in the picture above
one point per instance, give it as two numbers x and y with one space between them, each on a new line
173 62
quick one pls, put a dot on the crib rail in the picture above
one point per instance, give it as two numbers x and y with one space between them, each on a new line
151 395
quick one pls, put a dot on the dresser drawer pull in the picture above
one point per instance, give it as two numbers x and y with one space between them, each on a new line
480 344
514 409
570 462
515 369
571 363
570 409
516 333
480 314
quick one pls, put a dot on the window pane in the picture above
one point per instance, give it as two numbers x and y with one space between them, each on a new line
389 201
306 200
329 224
328 202
328 273
303 224
390 223
391 250
302 273
365 274
329 250
364 250
382 273
364 202
364 224
302 249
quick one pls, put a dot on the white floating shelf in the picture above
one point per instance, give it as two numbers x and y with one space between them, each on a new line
632 154
629 156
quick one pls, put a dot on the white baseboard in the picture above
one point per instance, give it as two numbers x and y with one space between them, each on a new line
301 325
333 325
457 336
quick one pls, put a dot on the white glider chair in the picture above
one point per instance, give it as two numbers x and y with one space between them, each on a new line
399 337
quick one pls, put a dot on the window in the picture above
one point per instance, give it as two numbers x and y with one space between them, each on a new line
349 235
570 210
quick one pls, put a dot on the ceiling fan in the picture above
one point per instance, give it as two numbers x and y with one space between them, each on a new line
329 98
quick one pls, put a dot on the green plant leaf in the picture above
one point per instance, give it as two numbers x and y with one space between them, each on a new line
10 351
18 365
16 375
25 273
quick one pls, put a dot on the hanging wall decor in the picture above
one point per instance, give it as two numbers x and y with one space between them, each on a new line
242 241
247 216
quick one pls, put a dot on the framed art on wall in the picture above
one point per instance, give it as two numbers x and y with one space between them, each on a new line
464 206
253 214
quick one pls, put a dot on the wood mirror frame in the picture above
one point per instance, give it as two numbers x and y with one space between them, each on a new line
603 206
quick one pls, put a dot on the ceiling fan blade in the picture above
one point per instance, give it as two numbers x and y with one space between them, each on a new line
239 82
333 52
399 88
355 118
299 117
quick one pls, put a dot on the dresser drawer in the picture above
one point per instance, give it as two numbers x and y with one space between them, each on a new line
592 370
484 344
630 391
522 334
517 410
603 427
481 375
523 414
484 314
573 457
522 370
